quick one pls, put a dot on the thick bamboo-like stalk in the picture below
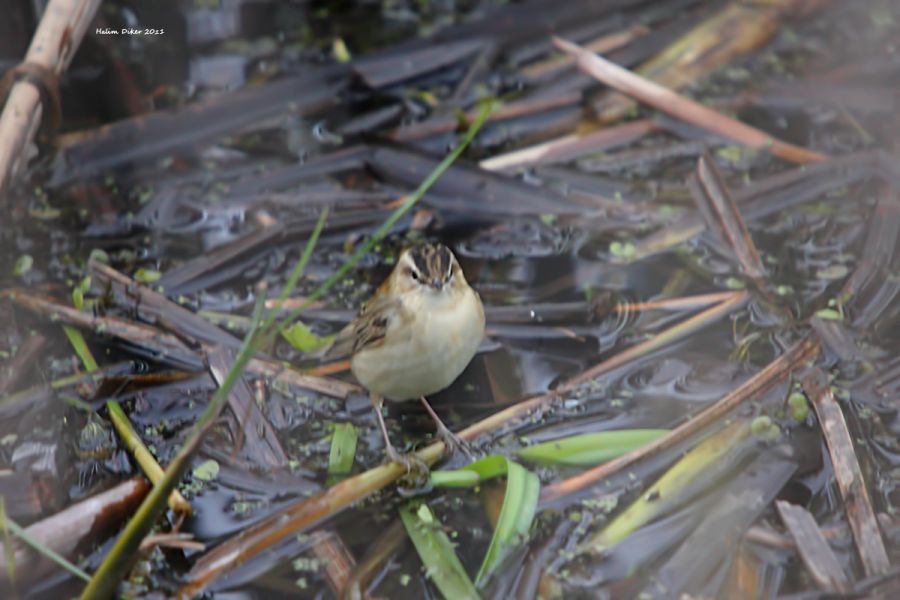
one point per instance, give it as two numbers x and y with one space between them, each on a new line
718 207
54 43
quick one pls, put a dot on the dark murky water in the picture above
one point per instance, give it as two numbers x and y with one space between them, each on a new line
163 210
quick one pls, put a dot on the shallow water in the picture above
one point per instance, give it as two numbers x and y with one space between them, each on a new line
166 210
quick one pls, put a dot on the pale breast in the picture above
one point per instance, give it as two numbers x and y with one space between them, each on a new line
427 355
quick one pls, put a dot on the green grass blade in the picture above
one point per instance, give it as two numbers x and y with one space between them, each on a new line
8 550
472 474
437 553
454 479
516 516
343 449
294 277
589 449
81 348
45 551
519 503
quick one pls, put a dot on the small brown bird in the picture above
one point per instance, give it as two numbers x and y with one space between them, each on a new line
415 335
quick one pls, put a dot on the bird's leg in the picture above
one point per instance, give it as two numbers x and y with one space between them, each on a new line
452 442
413 463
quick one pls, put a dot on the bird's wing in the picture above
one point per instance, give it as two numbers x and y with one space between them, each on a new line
368 329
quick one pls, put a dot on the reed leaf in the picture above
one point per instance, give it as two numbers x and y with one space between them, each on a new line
589 449
707 461
437 553
519 503
343 449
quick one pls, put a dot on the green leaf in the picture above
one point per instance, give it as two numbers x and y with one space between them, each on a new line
99 256
8 550
300 337
516 516
76 339
23 265
733 283
460 478
207 470
341 53
830 314
343 449
147 275
799 406
78 298
81 348
589 449
622 250
436 552
519 503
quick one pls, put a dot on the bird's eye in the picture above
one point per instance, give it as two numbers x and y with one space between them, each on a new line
413 274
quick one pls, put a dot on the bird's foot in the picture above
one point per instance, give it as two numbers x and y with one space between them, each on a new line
453 444
417 479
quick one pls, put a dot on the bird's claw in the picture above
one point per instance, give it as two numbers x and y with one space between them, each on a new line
417 479
453 443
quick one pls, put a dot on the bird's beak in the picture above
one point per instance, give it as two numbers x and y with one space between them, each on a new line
437 284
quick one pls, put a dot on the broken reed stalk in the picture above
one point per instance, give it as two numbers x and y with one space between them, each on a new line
262 446
48 553
603 44
513 110
143 456
738 28
379 552
815 553
680 107
77 526
722 216
570 147
307 512
676 304
851 484
338 562
58 36
658 341
771 194
166 345
20 364
759 383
